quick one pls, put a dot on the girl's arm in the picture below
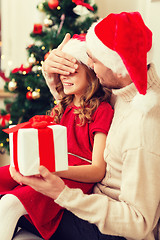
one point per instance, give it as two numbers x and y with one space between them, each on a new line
89 173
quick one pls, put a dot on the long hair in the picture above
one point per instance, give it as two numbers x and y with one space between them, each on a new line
89 101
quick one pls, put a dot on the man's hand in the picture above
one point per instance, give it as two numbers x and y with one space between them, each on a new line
60 62
46 183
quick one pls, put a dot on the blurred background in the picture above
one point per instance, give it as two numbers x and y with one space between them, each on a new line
17 18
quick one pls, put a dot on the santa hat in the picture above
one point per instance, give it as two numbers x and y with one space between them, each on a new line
122 42
77 47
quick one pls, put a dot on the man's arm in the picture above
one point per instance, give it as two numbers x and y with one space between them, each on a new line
58 62
132 216
135 214
45 182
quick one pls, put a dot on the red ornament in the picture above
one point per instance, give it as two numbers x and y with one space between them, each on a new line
53 4
29 46
29 95
37 28
46 55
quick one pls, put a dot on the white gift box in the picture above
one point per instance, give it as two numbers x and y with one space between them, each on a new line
31 147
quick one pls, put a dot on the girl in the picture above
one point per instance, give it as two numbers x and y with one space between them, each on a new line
84 110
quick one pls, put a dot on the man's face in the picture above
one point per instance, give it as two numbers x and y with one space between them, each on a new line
106 76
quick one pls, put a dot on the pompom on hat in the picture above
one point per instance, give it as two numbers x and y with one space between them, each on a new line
77 47
122 42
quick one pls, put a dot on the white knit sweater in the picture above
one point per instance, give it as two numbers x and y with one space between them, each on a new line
127 201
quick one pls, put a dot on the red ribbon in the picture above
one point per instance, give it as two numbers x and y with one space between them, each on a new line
4 119
38 121
22 69
81 2
45 139
2 75
46 148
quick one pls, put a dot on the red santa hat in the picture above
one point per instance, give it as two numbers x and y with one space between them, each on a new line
77 47
122 43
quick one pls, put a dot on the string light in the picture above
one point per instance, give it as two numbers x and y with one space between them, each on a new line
43 47
39 68
10 63
58 8
2 57
1 144
10 121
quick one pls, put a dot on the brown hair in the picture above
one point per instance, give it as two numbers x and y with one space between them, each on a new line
89 102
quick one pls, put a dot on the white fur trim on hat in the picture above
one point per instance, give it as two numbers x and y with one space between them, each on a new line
108 57
77 49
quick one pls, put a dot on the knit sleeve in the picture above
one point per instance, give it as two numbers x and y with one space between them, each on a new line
50 81
135 214
102 119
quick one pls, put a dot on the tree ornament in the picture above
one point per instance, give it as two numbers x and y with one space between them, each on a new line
30 45
12 85
26 65
37 29
32 59
53 4
35 94
61 24
40 7
48 22
4 119
29 95
35 68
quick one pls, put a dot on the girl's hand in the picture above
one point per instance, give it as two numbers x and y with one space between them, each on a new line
59 62
46 183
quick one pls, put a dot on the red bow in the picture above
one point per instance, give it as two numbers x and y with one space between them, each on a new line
38 121
4 119
22 69
81 2
81 37
2 75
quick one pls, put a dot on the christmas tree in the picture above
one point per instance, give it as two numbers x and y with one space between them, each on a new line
31 94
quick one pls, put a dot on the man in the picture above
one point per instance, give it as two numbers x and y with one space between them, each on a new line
127 201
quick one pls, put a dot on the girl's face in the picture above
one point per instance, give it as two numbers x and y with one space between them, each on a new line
75 83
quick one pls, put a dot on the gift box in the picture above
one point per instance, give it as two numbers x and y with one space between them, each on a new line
38 142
